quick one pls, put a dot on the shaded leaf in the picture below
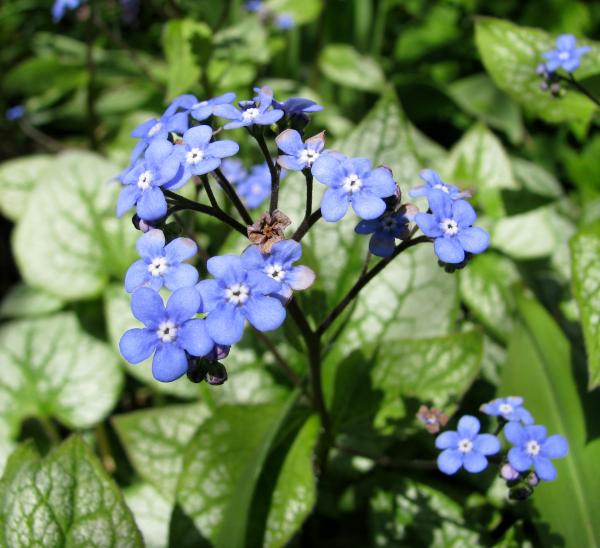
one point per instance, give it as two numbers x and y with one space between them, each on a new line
152 513
344 65
23 301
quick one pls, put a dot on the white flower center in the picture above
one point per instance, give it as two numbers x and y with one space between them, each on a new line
275 271
200 105
144 180
465 445
158 266
237 293
167 331
449 226
155 129
532 448
250 114
256 188
308 156
441 187
563 55
352 184
194 156
505 408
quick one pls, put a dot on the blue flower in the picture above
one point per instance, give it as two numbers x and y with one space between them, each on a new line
160 264
256 188
158 130
294 105
385 229
252 112
351 181
233 170
199 110
61 6
236 295
466 447
278 265
253 5
434 182
510 409
533 448
16 112
169 332
299 155
198 155
450 224
159 167
566 54
284 21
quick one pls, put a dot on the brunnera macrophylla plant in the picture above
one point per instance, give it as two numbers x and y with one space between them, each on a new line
203 319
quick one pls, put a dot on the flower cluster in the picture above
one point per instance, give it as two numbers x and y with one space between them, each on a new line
531 447
450 222
566 55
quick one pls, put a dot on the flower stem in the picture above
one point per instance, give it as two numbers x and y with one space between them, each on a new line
364 280
306 225
233 196
580 87
309 193
209 192
260 139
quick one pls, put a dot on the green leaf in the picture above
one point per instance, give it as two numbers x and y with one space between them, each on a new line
485 287
222 465
342 64
155 441
295 492
51 368
184 67
409 513
478 96
68 241
301 13
17 179
536 179
511 54
152 513
538 367
22 301
585 250
65 499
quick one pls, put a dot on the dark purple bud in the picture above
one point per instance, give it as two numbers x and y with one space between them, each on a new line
520 493
533 479
544 86
216 374
555 89
197 368
298 121
143 226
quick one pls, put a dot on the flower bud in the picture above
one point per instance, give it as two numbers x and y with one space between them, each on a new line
533 479
520 493
216 374
508 472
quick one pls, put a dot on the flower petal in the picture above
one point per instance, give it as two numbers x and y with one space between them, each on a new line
264 313
447 440
544 468
205 166
180 249
252 258
227 267
515 434
449 461
227 111
222 149
565 42
198 136
440 204
137 275
367 205
328 170
127 198
183 304
536 432
555 447
519 459
468 427
382 244
381 183
212 294
269 117
300 277
147 306
193 337
449 250
473 239
474 462
150 245
334 204
170 363
290 142
136 345
367 227
182 275
463 213
225 324
152 205
287 251
291 162
486 444
428 224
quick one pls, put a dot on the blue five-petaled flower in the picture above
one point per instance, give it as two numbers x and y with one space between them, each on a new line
252 112
158 130
198 155
236 295
450 223
434 182
385 229
465 447
352 181
162 265
533 448
510 409
199 110
278 265
169 332
566 55
299 155
256 187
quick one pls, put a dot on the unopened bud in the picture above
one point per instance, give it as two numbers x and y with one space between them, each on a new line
216 374
533 479
520 493
508 472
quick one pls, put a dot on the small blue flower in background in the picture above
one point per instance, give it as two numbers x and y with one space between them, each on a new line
299 155
533 448
278 265
236 295
450 224
434 182
465 447
252 112
233 170
158 130
61 6
566 55
253 5
256 188
169 332
386 229
160 264
16 112
352 181
159 167
199 110
298 105
510 409
284 21
198 155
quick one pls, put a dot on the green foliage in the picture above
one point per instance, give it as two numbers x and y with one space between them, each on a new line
345 66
